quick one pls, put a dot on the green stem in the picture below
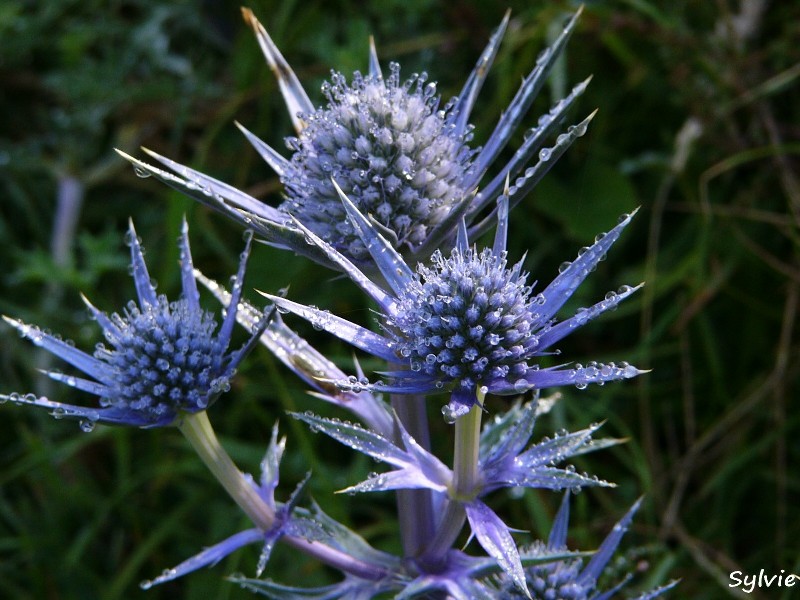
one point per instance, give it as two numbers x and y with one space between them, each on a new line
465 459
197 429
466 483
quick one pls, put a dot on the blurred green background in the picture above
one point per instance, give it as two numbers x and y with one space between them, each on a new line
699 124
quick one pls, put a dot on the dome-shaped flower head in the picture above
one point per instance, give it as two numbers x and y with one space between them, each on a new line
397 151
387 144
467 321
163 358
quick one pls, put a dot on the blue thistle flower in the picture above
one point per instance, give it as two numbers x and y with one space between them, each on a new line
572 579
396 151
164 358
389 146
467 321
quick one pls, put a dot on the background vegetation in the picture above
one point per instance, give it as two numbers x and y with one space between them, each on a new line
698 125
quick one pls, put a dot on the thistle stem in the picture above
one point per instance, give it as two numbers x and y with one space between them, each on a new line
451 525
197 429
414 507
466 482
465 457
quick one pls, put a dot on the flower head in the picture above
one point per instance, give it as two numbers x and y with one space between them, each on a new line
396 151
465 318
163 359
387 144
467 321
572 579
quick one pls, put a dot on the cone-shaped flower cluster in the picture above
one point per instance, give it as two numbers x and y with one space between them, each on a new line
164 359
389 146
467 322
395 150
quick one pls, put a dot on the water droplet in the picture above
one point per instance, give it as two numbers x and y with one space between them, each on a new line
449 414
544 154
141 172
87 425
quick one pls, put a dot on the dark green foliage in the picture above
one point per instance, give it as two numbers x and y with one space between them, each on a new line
697 125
